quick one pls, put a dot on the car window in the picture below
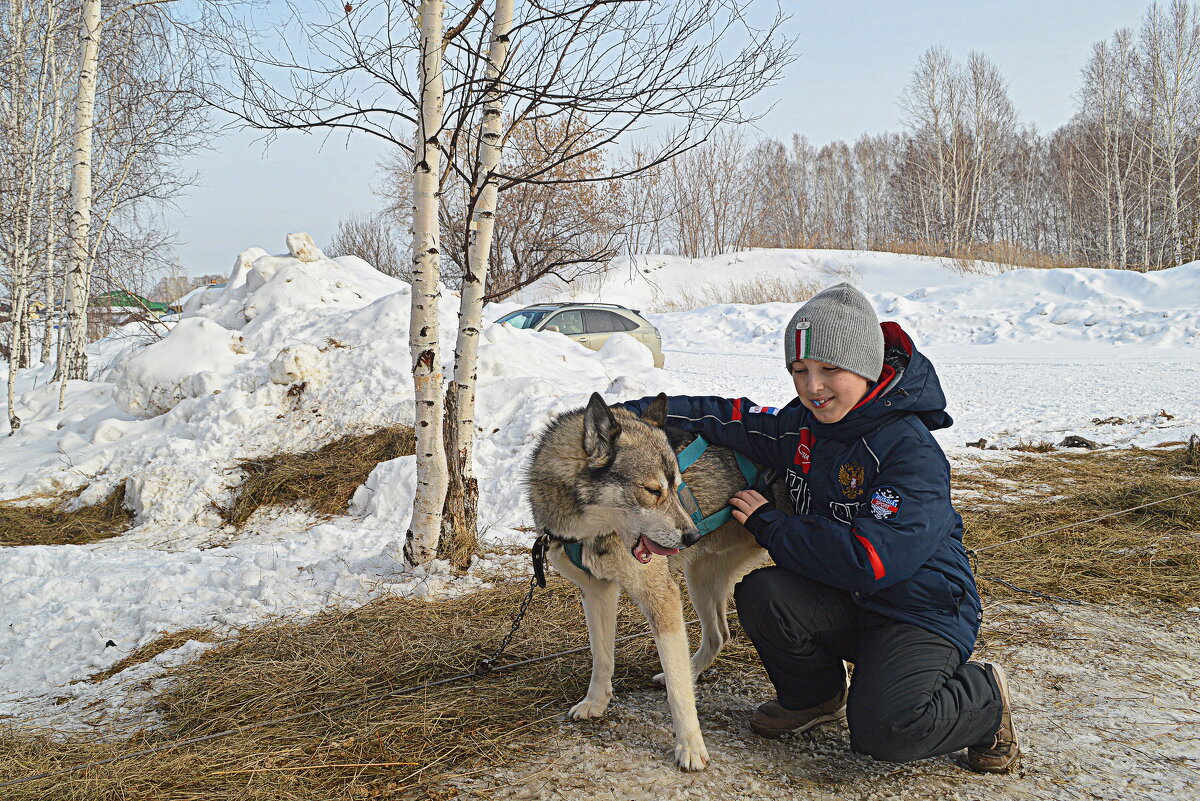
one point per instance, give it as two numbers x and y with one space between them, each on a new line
526 318
568 322
604 321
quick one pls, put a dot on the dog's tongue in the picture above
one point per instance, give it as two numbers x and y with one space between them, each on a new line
646 548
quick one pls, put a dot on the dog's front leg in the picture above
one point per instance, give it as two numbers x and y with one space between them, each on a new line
600 611
664 611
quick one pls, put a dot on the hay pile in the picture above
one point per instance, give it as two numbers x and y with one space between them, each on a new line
322 481
47 523
1151 554
397 748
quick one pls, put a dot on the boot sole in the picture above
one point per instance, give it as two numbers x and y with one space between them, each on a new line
771 732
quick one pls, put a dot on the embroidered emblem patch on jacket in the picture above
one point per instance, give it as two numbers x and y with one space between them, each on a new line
885 503
850 476
764 410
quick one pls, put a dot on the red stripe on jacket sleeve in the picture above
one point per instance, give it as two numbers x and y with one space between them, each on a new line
737 409
876 562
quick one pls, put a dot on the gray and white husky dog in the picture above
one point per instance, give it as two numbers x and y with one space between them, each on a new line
609 480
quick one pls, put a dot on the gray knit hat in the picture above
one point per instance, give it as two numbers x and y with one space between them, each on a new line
837 326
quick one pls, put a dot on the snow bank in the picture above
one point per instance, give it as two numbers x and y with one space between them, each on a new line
1160 309
288 355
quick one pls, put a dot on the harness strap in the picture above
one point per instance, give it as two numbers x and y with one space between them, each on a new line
572 548
574 551
687 457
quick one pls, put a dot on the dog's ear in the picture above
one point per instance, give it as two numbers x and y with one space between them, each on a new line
656 413
600 431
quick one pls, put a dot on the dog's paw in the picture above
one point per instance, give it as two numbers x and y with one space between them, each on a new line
588 709
692 755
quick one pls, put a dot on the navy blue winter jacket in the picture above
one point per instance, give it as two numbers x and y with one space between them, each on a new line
871 493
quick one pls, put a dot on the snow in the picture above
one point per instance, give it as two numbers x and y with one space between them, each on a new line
298 349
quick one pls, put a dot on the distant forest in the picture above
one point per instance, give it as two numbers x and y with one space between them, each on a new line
1117 186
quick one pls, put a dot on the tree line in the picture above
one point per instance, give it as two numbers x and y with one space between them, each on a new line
1117 186
96 107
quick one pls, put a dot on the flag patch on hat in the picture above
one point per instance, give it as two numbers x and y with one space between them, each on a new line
803 339
764 410
885 503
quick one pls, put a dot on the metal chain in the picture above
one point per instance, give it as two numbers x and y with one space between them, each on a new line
1012 586
486 666
975 570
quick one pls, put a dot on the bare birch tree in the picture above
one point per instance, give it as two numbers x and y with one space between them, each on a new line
421 540
1171 44
1106 138
584 73
459 528
79 230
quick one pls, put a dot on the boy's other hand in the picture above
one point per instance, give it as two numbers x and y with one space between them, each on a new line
746 503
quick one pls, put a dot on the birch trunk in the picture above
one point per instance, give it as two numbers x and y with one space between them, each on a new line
459 524
51 289
16 342
26 124
421 539
81 198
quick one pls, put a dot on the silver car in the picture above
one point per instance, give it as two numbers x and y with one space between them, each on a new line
589 324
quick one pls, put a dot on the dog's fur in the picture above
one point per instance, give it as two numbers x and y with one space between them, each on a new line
607 478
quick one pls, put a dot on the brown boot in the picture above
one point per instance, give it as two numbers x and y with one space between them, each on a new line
772 720
1000 755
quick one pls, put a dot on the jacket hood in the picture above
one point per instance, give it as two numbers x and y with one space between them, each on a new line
908 385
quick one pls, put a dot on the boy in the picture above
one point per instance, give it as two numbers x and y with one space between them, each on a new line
869 563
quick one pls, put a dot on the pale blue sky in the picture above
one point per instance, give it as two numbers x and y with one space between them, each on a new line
854 60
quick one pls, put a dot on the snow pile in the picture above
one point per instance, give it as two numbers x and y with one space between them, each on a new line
246 372
287 356
1063 305
196 359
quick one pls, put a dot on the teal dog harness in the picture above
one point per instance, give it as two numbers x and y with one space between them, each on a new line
705 525
686 458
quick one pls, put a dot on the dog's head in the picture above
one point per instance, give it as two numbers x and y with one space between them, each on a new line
634 477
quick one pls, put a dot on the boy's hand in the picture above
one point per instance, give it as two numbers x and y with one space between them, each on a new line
746 503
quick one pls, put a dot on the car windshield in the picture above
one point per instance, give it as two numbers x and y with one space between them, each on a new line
526 318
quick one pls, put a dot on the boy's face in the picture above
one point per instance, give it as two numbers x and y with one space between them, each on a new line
828 391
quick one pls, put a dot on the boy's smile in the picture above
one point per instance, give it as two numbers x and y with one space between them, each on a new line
826 390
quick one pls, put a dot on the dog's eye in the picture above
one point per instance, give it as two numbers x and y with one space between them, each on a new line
655 491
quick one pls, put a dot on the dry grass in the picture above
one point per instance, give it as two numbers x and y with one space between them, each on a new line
760 289
1152 554
168 641
410 747
49 524
322 481
414 742
969 255
1032 447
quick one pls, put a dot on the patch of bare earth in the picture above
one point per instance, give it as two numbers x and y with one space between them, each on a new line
1107 699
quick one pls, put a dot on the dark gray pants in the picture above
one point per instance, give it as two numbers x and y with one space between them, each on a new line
911 697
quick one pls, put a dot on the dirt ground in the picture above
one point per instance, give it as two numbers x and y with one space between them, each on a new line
1107 699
